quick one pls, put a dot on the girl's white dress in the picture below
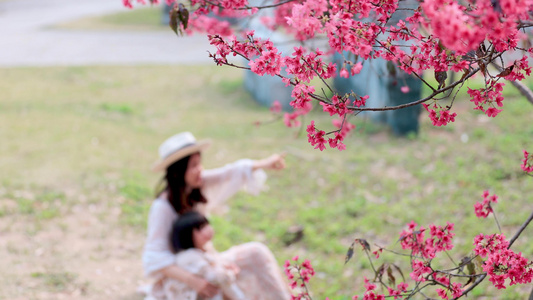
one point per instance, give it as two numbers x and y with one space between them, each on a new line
259 277
207 266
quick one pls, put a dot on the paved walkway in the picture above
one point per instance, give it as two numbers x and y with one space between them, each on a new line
28 38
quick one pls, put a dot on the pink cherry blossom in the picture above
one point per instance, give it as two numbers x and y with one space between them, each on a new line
527 162
501 263
276 107
483 209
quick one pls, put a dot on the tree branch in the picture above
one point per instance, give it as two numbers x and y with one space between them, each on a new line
250 7
476 283
472 73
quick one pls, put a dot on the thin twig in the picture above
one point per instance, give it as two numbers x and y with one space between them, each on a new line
316 72
303 284
414 73
450 257
370 260
250 7
472 73
497 223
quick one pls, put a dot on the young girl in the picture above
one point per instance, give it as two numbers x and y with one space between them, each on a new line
190 237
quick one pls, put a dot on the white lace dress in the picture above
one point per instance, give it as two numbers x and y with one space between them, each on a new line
207 266
260 277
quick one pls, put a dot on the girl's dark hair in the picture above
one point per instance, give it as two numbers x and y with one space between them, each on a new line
182 229
175 187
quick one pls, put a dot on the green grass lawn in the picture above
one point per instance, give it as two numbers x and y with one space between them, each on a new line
89 135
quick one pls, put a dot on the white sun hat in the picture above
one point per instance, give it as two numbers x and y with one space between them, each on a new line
177 147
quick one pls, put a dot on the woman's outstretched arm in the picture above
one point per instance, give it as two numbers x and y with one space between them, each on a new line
273 162
222 183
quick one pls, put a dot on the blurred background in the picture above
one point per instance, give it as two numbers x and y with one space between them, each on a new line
89 90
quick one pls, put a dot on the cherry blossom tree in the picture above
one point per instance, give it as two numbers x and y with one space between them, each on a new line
439 37
483 38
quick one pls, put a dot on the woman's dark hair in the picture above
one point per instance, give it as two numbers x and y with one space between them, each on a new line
175 187
182 229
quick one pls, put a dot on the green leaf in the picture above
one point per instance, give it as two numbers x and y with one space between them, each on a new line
183 15
179 15
478 263
392 279
399 271
441 78
506 72
413 234
349 254
468 262
379 272
173 23
364 243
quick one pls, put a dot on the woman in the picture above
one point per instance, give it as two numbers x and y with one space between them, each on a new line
188 187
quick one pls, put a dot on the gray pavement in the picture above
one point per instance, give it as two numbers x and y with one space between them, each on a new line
29 39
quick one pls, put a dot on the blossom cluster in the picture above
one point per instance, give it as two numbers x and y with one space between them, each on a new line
439 116
337 106
455 289
304 18
316 137
298 275
371 293
344 126
501 262
440 240
527 162
400 288
462 28
438 35
486 98
421 270
448 20
304 67
483 209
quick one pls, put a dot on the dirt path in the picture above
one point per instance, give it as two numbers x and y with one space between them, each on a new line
82 254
